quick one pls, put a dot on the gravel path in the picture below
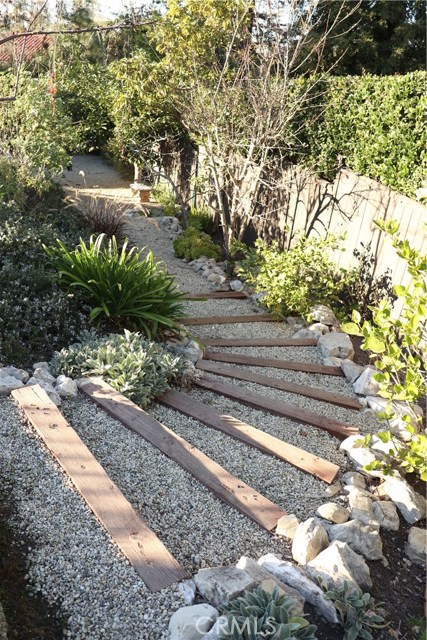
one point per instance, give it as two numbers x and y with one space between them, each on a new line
72 560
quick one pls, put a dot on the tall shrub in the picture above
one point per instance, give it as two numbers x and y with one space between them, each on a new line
373 125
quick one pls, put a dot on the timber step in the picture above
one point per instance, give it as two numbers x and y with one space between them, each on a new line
257 401
250 435
145 552
274 363
226 486
276 383
257 317
237 295
259 342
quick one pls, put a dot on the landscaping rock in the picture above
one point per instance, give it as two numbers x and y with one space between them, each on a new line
293 320
338 563
287 525
318 327
267 581
41 365
361 538
332 362
397 425
66 387
365 384
416 547
333 512
216 633
336 345
360 456
187 588
8 384
44 375
310 539
236 285
222 584
411 504
192 623
53 395
354 479
14 372
325 315
361 506
298 579
386 514
302 334
351 370
332 490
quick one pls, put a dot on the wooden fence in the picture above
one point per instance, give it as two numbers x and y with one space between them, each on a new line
348 205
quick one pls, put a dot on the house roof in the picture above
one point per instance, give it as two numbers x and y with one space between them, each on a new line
33 45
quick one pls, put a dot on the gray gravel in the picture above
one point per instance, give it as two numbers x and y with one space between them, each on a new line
73 562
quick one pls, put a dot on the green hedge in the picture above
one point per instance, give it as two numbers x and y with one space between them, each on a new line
376 125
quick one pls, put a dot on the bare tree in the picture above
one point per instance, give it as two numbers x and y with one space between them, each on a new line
247 112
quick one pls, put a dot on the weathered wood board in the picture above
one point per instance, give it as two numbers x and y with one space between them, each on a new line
146 553
260 342
226 486
237 295
258 317
274 363
250 435
284 385
258 401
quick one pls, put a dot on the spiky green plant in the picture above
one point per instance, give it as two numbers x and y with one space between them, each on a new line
121 286
265 616
355 610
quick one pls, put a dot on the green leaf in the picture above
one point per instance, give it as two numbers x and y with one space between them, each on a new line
351 328
374 344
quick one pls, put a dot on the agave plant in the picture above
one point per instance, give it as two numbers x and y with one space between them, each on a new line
121 286
265 616
355 610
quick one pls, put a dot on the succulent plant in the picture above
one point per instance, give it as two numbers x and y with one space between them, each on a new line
260 615
356 610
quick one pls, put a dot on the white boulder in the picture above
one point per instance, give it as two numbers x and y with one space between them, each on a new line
297 578
325 315
361 538
333 512
220 585
8 384
416 547
192 623
365 384
287 525
310 539
412 505
66 387
339 563
386 514
336 345
351 370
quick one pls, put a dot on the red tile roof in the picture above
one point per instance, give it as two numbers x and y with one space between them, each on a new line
33 45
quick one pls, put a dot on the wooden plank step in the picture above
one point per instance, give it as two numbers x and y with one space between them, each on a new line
277 407
250 435
257 317
226 486
284 385
146 553
259 342
274 363
238 295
